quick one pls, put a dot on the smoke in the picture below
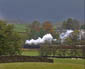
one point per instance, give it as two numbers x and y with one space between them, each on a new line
82 34
65 35
46 38
49 38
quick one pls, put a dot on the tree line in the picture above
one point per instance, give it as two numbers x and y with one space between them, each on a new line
11 41
37 29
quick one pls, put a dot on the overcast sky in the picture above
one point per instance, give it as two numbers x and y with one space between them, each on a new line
53 10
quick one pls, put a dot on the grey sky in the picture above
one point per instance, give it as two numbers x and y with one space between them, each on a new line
53 10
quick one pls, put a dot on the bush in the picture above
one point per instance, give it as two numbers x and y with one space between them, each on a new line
10 41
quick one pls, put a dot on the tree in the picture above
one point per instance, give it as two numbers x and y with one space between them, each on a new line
71 24
33 30
45 50
48 50
35 26
76 24
48 27
73 40
83 26
10 41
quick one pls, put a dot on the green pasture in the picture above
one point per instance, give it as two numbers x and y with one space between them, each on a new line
30 53
58 63
20 27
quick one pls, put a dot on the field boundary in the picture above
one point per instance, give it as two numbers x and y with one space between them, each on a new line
9 59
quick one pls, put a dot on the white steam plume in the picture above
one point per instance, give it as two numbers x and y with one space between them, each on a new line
65 35
82 34
46 38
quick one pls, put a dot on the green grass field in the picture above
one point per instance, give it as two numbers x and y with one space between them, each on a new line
58 63
20 27
30 53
